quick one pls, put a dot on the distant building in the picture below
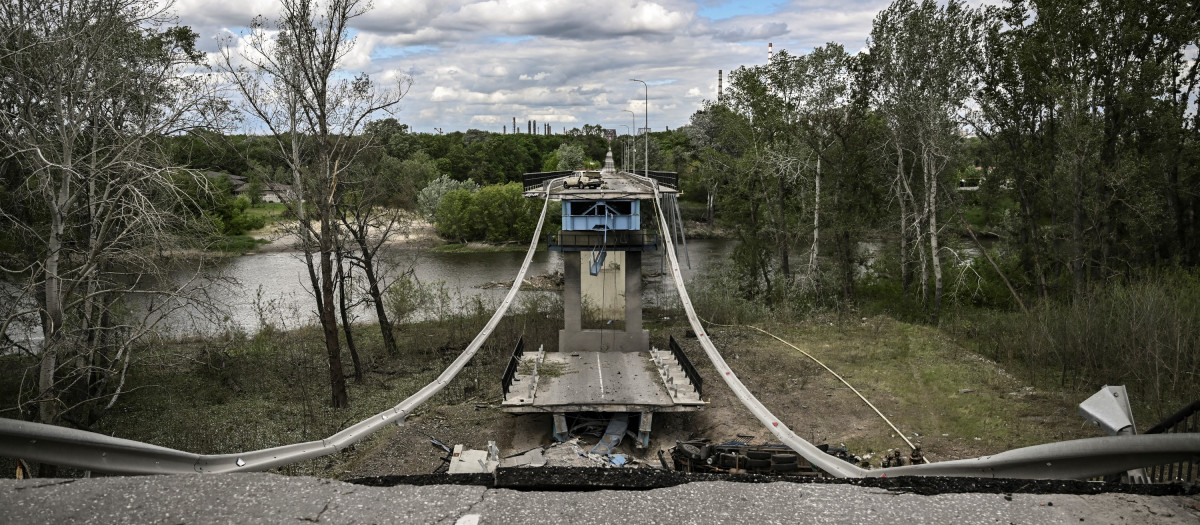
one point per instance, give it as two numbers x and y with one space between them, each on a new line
235 181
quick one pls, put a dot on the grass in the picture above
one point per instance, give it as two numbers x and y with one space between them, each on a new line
942 396
239 393
272 211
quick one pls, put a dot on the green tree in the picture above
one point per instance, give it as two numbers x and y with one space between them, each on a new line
1083 109
89 88
429 201
292 86
457 217
570 157
921 57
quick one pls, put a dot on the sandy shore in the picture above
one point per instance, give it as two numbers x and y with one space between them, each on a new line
283 237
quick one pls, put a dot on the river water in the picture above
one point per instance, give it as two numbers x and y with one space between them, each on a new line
273 287
276 285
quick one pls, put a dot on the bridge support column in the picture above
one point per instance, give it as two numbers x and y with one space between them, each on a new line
633 293
572 300
643 439
561 432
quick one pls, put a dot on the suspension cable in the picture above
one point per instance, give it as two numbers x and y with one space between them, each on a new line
830 370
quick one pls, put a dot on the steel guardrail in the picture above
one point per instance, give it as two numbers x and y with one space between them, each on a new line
89 450
1077 459
538 180
669 179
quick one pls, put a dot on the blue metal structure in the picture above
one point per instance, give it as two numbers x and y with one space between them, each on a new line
597 215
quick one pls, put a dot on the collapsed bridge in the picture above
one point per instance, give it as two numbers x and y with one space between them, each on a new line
599 222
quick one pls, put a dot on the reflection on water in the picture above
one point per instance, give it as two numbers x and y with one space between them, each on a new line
275 286
278 283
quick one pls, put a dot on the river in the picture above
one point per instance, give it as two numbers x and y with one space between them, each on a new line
277 284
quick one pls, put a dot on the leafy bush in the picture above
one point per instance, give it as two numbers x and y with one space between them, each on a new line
496 213
456 217
430 198
239 221
571 157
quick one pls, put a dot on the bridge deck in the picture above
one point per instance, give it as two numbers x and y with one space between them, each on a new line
620 185
596 382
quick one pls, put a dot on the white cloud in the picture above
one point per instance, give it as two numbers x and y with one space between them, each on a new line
482 63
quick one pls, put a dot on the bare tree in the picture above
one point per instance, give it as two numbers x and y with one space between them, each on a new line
286 79
370 223
87 90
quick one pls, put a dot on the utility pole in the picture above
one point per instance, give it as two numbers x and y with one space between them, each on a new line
625 149
647 129
633 134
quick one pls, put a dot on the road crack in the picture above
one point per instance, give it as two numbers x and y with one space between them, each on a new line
468 516
317 518
52 484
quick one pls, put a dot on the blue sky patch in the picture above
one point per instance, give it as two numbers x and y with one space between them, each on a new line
734 8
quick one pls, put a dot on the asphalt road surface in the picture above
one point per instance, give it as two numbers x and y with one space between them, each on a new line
270 498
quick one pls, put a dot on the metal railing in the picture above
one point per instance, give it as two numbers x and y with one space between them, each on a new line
618 240
1184 421
669 179
514 362
1077 459
688 368
92 451
539 180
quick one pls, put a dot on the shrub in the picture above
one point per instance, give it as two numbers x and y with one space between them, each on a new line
1143 334
497 213
431 196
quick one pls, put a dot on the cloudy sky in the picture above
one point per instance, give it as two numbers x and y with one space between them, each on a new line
479 64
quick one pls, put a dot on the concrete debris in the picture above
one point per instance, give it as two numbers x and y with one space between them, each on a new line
568 453
464 461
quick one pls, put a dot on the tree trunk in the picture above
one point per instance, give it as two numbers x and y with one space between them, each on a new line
785 263
385 324
931 186
813 253
344 308
53 316
337 378
708 212
1077 226
904 277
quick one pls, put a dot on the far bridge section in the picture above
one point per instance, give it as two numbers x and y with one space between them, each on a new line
609 367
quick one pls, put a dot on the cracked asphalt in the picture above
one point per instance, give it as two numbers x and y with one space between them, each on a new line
270 498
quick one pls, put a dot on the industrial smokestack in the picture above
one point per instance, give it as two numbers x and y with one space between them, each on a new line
529 127
720 83
770 52
515 130
535 129
504 129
